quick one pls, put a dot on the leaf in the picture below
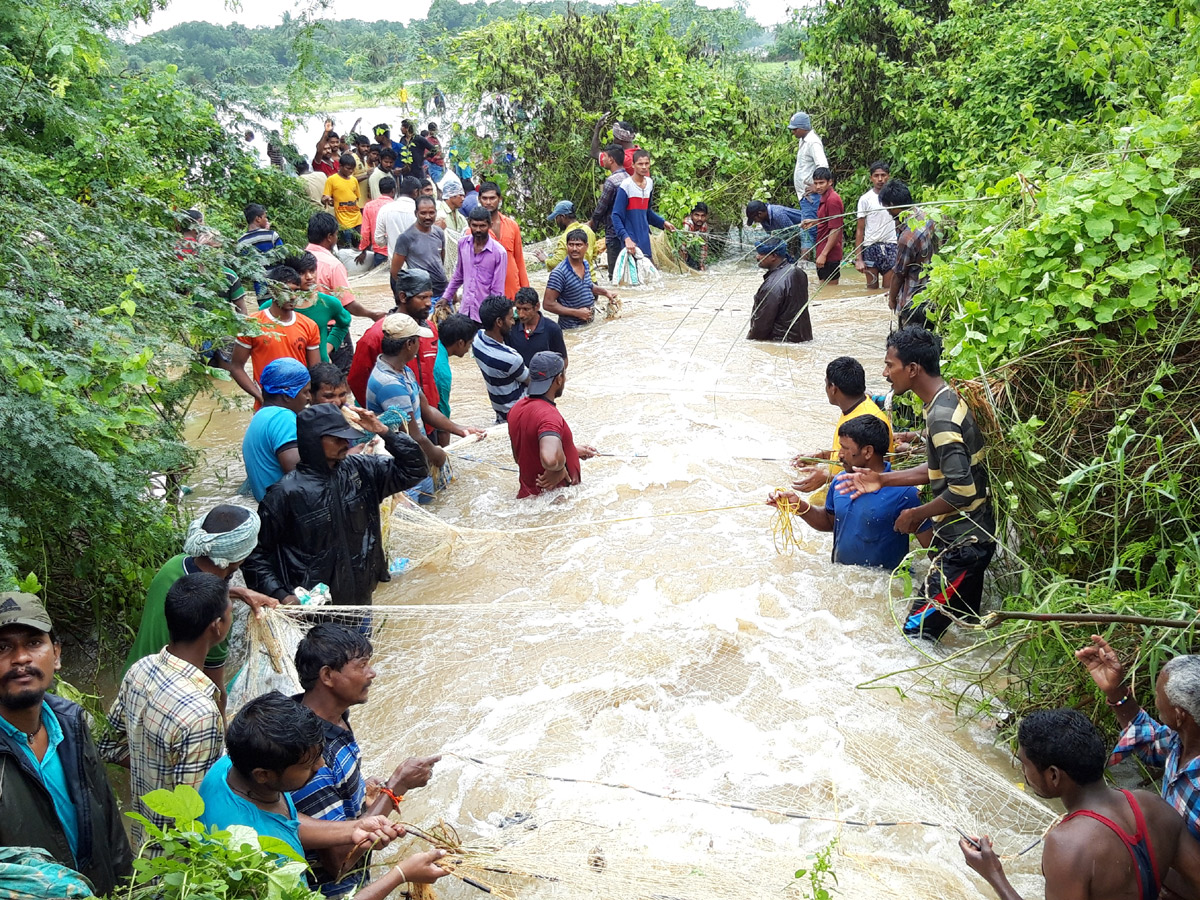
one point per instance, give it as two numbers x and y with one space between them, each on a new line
279 847
1098 228
183 804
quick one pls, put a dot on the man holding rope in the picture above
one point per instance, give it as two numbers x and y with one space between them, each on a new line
961 509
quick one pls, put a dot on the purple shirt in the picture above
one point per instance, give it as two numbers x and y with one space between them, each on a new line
480 275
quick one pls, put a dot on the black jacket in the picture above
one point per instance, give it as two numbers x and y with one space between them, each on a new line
781 307
322 525
28 817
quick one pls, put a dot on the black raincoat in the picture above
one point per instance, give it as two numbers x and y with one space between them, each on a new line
781 307
321 525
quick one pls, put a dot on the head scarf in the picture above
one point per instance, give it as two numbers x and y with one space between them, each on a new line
452 188
225 548
411 282
767 246
284 376
622 133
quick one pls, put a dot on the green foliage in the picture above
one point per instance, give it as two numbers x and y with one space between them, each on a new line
820 871
100 319
711 137
210 863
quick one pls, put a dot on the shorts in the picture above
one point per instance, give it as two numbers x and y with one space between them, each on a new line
880 257
954 584
829 271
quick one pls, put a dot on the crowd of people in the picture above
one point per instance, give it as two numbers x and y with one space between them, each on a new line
340 426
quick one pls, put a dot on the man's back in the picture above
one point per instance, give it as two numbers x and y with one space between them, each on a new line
1087 857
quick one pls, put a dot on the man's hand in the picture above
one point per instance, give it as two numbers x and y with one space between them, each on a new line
547 480
857 481
328 125
369 421
361 257
776 496
909 522
375 832
1104 666
630 245
414 772
811 479
860 265
807 223
437 455
586 452
984 860
291 600
801 462
471 429
821 260
253 599
326 200
669 226
539 255
586 314
423 868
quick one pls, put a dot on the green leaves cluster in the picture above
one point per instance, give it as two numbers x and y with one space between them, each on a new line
212 864
711 137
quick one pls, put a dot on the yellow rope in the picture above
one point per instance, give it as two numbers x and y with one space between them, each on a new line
782 532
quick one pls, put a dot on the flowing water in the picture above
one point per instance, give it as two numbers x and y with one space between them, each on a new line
678 654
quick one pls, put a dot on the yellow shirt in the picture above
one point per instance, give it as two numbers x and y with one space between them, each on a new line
866 408
345 194
560 248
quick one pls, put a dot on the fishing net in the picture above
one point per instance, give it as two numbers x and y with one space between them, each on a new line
586 758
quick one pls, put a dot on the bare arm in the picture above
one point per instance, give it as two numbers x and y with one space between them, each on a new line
288 459
860 230
398 260
355 308
554 462
237 371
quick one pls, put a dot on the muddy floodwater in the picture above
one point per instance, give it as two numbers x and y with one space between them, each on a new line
678 654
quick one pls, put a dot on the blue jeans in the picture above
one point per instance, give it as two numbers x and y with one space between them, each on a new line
809 204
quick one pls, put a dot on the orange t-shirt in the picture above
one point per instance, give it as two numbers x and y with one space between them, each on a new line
510 240
279 339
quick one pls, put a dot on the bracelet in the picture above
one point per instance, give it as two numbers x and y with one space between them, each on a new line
403 877
1121 702
388 792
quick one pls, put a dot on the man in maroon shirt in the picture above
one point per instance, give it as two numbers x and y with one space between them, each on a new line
542 444
828 249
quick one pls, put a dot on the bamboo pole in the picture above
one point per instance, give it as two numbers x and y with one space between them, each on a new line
992 620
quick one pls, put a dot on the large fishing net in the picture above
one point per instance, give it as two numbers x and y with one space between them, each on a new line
659 752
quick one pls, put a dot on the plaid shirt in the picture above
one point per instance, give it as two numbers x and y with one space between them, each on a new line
1158 745
335 794
916 243
167 725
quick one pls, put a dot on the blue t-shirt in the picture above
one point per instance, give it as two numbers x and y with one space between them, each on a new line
50 767
223 807
573 292
389 389
271 429
864 531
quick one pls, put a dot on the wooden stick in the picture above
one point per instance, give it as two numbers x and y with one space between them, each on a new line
991 620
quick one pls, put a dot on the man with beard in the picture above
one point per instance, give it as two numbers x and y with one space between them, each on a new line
542 444
55 793
320 522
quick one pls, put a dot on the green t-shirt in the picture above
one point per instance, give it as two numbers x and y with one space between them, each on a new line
152 633
442 377
327 309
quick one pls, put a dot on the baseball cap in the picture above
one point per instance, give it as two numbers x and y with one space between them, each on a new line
326 419
545 366
561 208
17 608
402 325
800 120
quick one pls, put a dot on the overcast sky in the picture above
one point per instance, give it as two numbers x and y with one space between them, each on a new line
269 12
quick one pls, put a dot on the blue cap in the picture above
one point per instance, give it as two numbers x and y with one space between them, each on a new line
801 120
561 208
770 245
284 376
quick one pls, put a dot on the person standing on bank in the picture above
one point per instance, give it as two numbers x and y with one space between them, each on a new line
542 444
56 794
810 155
830 218
961 509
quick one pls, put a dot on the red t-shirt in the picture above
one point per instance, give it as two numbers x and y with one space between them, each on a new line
528 421
629 158
366 351
320 165
831 206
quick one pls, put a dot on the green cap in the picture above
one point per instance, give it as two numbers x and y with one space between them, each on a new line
17 608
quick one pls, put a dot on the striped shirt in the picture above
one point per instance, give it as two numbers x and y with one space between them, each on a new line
166 723
264 240
916 242
573 292
389 389
503 370
956 471
335 794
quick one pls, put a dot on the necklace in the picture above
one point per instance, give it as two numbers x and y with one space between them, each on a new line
249 795
32 735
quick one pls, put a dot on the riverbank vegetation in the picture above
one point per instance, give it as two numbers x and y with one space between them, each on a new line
1065 140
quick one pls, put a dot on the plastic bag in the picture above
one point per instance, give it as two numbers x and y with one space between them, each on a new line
626 270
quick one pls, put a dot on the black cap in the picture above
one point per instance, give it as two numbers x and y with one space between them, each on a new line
327 419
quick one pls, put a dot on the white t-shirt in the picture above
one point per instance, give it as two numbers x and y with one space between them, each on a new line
810 156
880 227
394 219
